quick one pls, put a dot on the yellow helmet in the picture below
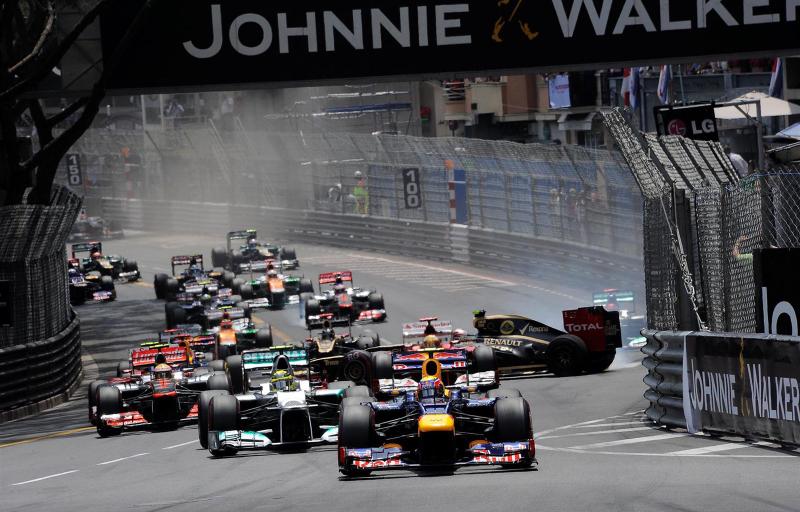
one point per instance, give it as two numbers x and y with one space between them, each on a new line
430 341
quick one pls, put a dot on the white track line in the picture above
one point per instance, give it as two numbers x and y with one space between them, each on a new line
179 445
595 425
598 432
711 449
46 477
122 458
633 440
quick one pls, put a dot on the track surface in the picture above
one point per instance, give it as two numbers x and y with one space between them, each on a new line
595 452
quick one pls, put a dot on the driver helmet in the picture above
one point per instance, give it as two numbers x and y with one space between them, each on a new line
272 273
73 273
162 371
283 381
431 341
339 279
205 299
226 322
252 245
458 334
96 255
327 334
430 388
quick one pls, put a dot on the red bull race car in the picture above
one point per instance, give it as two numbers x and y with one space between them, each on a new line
348 304
190 276
435 425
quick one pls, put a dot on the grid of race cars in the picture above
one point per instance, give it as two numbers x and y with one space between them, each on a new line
435 400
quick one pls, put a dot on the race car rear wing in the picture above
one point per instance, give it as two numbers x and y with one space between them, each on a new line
330 277
147 356
186 260
264 358
416 331
245 234
86 247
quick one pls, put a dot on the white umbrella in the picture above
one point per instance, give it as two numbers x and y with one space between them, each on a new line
770 107
792 132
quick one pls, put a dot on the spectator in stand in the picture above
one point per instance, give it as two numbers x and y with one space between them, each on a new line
361 195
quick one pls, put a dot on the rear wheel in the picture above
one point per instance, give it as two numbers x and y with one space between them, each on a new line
306 286
107 283
248 311
288 254
160 285
171 288
203 402
246 291
382 365
601 363
234 369
223 416
566 355
356 367
360 391
217 365
92 398
227 278
376 301
312 308
122 367
483 359
219 257
236 286
264 337
218 382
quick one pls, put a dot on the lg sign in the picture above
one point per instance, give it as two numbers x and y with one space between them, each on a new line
695 121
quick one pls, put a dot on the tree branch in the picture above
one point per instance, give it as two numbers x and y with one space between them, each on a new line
43 127
56 119
52 59
46 31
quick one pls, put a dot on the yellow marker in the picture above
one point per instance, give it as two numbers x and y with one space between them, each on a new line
47 436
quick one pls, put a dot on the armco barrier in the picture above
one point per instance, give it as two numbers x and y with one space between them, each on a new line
664 379
35 372
483 248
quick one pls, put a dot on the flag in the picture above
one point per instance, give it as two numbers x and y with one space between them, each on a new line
664 81
634 89
776 82
625 91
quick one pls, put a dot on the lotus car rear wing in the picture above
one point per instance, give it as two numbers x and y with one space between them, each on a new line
330 277
85 247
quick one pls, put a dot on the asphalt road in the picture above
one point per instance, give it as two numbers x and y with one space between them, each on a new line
594 449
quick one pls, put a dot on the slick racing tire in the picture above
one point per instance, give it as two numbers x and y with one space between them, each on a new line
600 363
236 286
350 401
382 365
91 394
246 291
356 426
77 296
122 367
356 367
171 288
131 266
504 393
512 420
288 253
203 402
223 415
107 283
175 314
566 355
306 286
233 367
264 337
483 359
219 257
227 278
367 341
248 311
109 401
218 382
160 285
376 301
360 391
305 297
312 308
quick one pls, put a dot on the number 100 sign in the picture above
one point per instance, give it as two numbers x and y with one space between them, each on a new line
412 192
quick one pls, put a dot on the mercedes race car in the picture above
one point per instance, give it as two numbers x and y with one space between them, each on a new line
159 389
347 304
189 276
588 343
244 250
114 266
281 407
268 287
89 287
433 425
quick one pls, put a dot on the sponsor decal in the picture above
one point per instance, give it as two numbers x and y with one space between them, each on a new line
502 342
584 327
507 327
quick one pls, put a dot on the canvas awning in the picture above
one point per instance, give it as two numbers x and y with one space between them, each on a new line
770 107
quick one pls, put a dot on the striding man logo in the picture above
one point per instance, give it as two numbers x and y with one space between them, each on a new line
511 19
